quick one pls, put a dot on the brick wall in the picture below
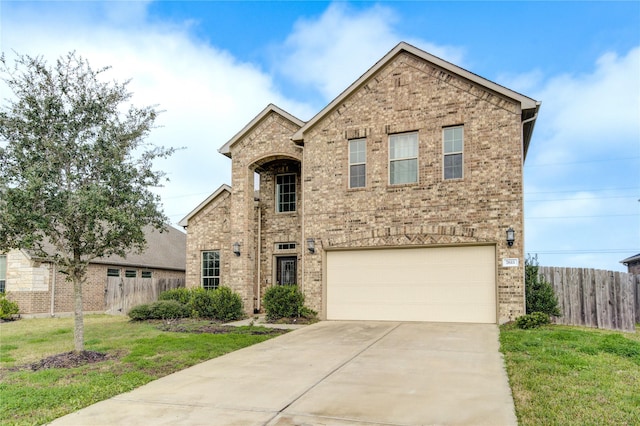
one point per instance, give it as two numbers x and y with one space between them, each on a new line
266 149
410 95
93 291
209 229
25 274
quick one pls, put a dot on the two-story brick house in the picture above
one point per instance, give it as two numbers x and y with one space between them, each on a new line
392 203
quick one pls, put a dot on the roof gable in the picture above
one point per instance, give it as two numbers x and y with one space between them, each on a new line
221 190
527 104
271 108
165 250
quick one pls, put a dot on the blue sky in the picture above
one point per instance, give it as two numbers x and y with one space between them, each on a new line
212 66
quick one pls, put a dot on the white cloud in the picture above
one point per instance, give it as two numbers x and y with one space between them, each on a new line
331 52
585 154
593 113
206 94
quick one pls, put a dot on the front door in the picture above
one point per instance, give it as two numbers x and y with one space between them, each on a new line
286 270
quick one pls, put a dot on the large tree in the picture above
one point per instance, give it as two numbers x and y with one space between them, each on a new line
75 169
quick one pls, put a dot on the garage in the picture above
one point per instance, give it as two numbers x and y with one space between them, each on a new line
440 284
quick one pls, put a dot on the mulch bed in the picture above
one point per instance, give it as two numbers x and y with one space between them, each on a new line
186 326
64 360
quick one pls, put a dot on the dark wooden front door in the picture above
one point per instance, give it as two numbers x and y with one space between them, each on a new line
286 270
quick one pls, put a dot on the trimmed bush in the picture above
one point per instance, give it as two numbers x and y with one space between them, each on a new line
533 320
201 303
222 304
539 293
226 305
182 295
162 309
140 312
8 308
285 301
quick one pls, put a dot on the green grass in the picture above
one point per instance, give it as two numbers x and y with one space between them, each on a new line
573 376
141 354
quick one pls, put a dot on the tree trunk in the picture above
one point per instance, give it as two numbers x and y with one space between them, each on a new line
78 331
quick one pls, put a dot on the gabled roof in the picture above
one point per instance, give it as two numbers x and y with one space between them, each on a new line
223 188
165 250
527 104
265 112
631 259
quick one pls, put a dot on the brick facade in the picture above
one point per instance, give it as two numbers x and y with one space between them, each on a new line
210 230
405 92
34 302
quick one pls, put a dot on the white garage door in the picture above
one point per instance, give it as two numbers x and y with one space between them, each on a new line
444 284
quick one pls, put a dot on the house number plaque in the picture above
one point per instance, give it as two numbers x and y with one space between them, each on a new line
511 262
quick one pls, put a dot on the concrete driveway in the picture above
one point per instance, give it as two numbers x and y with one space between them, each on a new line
331 373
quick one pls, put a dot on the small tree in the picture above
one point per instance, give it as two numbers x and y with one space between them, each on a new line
75 171
540 296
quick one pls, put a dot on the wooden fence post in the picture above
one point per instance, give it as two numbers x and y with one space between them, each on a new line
595 298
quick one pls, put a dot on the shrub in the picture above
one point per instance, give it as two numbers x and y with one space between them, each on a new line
140 312
8 308
221 304
182 295
539 293
533 320
285 301
162 309
201 303
226 305
169 309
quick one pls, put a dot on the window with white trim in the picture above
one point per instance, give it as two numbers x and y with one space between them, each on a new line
453 145
357 163
210 269
286 193
3 273
403 158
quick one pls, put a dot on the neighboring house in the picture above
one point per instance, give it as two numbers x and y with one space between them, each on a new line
632 263
39 288
392 203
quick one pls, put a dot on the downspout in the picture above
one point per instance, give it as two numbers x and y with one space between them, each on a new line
528 120
303 240
259 249
53 290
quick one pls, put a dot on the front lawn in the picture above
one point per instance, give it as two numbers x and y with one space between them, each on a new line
563 375
138 352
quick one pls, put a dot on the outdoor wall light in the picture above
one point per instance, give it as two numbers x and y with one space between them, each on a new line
311 245
236 248
511 236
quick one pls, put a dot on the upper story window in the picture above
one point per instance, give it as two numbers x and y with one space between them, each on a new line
146 274
130 273
3 273
210 269
357 163
403 158
286 193
453 144
112 272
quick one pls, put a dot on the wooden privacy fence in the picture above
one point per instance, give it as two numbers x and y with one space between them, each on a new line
122 294
595 298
